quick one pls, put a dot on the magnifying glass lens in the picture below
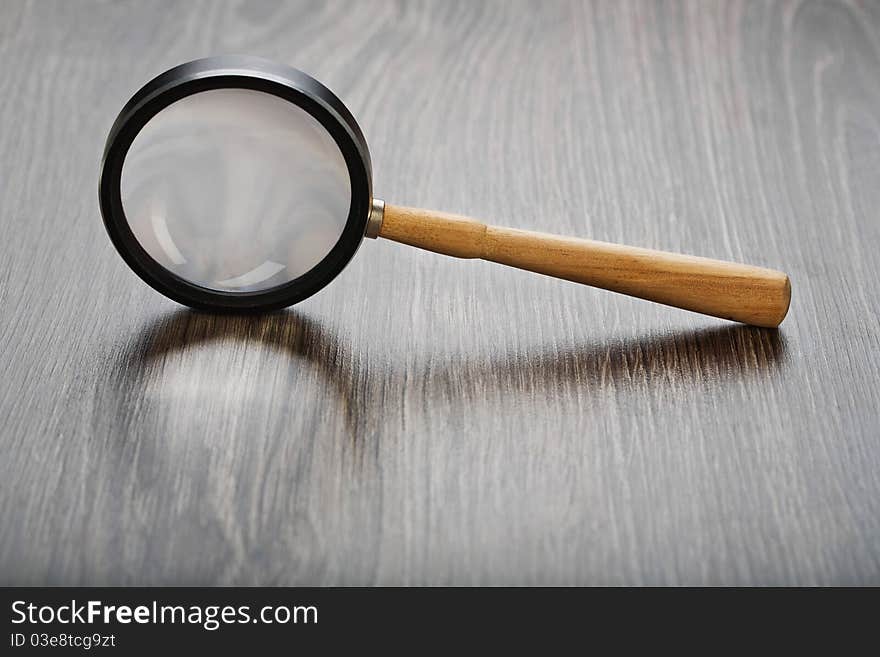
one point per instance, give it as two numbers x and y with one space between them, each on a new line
235 190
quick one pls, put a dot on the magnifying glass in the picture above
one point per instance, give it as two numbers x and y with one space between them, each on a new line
237 184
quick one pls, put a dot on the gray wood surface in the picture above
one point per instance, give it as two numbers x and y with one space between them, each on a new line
426 420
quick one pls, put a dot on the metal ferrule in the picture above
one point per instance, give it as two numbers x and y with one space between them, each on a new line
374 221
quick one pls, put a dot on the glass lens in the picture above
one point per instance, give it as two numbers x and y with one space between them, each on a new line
235 190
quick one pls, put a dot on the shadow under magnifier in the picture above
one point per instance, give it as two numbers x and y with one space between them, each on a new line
286 333
710 355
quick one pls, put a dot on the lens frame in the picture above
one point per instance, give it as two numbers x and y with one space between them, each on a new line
236 72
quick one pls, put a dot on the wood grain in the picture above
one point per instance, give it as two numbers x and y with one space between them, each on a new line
743 293
429 421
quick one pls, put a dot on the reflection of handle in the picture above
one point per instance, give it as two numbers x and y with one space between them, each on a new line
743 293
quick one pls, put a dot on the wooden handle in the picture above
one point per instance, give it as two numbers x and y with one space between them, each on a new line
742 293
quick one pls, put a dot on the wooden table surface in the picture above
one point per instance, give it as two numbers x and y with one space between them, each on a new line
426 420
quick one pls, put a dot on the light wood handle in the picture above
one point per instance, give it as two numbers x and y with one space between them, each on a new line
742 293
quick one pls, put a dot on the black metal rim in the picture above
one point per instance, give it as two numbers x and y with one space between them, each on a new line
245 73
